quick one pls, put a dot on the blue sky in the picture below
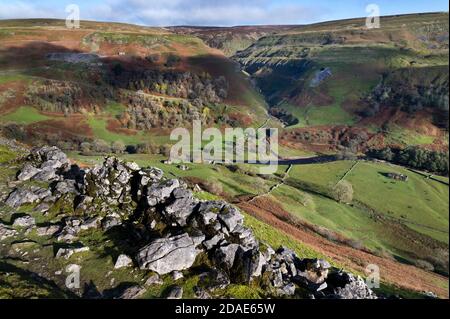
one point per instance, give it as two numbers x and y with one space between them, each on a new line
213 12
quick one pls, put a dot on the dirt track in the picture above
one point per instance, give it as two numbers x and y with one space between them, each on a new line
392 272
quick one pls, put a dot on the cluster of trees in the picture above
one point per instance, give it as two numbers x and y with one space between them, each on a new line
412 90
284 116
415 157
65 97
145 112
351 139
99 146
201 88
149 148
410 99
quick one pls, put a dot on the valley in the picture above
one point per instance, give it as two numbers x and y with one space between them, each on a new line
357 110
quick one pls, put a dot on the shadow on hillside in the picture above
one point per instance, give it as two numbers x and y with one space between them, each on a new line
33 54
32 278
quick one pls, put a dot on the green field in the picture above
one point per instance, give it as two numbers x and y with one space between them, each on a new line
398 135
420 203
24 115
11 77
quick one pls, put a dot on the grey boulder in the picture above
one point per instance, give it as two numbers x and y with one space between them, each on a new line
6 232
26 221
175 293
160 192
123 261
225 256
231 217
22 196
27 172
181 208
165 255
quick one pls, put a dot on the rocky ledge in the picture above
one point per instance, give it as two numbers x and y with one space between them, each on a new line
169 227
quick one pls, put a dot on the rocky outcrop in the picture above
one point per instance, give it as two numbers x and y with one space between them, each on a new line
320 77
173 230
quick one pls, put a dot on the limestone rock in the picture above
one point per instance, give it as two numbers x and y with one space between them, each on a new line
181 208
315 270
132 292
154 280
230 217
30 195
225 256
123 261
24 221
177 275
6 232
165 255
201 293
27 172
347 286
67 252
110 221
48 230
160 192
175 293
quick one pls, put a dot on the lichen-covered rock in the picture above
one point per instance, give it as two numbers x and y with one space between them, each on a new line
287 290
30 195
230 217
48 157
225 256
66 187
110 181
247 265
6 232
27 172
343 285
181 207
45 174
175 293
67 252
48 230
165 255
24 221
314 270
159 192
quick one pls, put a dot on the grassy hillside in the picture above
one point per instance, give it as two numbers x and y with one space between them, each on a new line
25 69
359 64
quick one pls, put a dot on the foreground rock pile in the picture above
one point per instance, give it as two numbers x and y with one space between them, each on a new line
170 228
